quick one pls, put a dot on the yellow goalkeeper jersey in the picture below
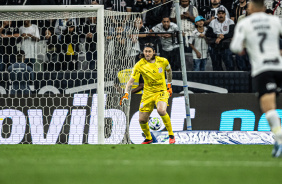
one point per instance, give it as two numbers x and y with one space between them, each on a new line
153 74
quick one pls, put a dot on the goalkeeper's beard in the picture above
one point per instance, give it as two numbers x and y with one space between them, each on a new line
150 59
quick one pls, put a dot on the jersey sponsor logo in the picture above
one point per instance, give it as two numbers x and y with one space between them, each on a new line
260 20
271 61
262 27
271 86
146 71
160 70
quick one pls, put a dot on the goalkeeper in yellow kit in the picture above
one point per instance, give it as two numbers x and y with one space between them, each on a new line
156 92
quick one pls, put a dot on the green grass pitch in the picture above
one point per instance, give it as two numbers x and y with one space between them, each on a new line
122 164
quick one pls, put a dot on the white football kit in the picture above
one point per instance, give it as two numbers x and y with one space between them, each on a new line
260 33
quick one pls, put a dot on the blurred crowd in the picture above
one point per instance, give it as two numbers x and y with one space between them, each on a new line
57 44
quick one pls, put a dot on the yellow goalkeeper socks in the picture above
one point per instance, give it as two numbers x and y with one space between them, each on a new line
145 128
166 120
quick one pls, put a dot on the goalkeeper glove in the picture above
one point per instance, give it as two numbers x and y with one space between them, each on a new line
125 97
169 89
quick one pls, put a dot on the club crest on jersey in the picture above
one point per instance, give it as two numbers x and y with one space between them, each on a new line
224 28
160 70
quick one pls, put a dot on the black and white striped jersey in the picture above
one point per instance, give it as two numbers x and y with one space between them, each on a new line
87 2
200 3
119 5
70 2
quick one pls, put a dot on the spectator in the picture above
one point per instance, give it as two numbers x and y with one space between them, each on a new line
139 40
199 45
93 2
61 25
139 5
239 9
210 13
243 15
220 31
30 35
8 39
170 50
188 13
21 75
89 32
275 6
243 62
70 47
53 50
201 3
43 25
118 49
154 16
168 3
82 21
229 4
119 5
142 38
70 2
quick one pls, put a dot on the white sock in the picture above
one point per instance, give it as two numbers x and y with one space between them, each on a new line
275 124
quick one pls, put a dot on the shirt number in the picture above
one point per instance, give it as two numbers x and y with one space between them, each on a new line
263 37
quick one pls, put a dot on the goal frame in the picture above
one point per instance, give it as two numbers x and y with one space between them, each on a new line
100 47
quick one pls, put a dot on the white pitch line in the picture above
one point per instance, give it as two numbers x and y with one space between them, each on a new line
266 164
277 163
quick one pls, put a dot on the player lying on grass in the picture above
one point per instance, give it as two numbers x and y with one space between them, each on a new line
156 92
260 33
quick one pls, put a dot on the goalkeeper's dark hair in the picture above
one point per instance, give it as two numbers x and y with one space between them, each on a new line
150 45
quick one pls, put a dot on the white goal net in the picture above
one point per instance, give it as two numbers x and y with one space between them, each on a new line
59 66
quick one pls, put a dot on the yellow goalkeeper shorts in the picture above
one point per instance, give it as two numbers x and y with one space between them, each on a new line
148 101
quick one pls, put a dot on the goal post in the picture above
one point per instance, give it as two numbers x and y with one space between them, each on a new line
100 54
86 11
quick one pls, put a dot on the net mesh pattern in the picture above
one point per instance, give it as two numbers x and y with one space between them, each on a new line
48 93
